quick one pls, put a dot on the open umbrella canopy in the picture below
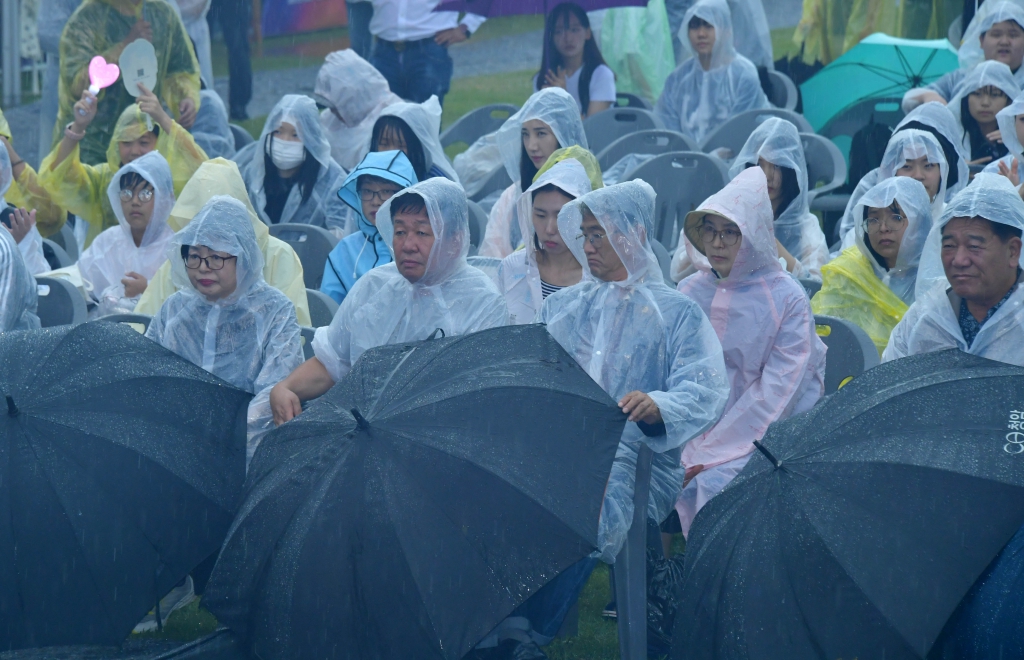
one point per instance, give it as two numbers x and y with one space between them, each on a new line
416 504
494 8
862 524
878 67
120 468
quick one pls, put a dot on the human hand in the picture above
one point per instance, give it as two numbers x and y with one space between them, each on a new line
691 472
980 161
284 404
1010 172
85 111
134 284
150 104
22 222
555 79
187 113
640 407
141 29
929 97
454 35
995 136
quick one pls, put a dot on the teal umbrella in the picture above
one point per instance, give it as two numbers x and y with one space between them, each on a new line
879 66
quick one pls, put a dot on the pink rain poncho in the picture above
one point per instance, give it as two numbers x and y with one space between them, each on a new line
637 334
773 357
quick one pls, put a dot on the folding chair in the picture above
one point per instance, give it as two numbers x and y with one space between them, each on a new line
655 141
605 127
850 351
312 244
60 303
733 134
475 124
322 307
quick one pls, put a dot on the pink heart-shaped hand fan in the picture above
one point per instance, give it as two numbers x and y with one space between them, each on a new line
102 74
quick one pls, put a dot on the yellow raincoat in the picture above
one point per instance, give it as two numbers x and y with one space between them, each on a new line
27 193
82 189
99 27
586 159
850 290
829 28
282 269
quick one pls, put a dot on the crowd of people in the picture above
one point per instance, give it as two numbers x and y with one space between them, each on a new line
173 227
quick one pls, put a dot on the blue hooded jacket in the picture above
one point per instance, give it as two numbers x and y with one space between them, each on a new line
365 249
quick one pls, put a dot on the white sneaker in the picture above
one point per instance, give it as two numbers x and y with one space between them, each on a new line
178 598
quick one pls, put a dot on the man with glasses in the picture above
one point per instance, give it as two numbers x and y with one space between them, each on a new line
379 176
978 306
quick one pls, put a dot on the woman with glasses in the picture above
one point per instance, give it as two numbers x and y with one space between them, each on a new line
872 283
224 316
374 181
122 260
774 360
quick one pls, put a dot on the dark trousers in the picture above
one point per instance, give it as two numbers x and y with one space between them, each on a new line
359 16
415 70
234 17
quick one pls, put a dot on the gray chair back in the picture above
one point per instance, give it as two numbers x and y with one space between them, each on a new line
475 124
733 134
242 136
783 93
307 341
624 100
825 165
499 180
60 303
664 260
850 351
606 127
811 287
55 255
322 307
312 244
66 239
477 224
489 266
682 179
138 319
631 568
654 141
852 118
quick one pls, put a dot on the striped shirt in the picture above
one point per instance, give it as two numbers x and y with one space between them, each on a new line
547 289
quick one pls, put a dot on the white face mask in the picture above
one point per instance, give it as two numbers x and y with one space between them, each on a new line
287 155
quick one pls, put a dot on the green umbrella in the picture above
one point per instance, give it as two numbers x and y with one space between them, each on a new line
879 66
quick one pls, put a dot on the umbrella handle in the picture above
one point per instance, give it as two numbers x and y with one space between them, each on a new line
12 410
771 457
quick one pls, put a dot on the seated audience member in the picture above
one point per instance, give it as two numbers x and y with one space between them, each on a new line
974 302
18 294
26 192
354 94
775 147
374 181
415 130
428 286
20 223
545 264
281 266
995 34
715 82
211 130
775 361
142 127
224 316
871 284
984 92
937 119
548 121
912 153
572 60
122 260
1011 132
289 171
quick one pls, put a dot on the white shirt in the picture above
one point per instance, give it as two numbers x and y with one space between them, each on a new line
411 20
602 85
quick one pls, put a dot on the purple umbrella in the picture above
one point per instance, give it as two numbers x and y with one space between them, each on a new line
493 8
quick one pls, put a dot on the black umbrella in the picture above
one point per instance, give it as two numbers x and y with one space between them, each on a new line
862 523
120 466
416 504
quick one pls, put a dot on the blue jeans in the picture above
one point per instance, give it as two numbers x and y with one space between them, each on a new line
546 609
359 16
415 70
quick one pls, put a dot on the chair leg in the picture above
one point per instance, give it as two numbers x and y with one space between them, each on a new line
631 569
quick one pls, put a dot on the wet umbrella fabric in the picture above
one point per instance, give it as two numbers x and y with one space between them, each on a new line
890 498
120 467
469 472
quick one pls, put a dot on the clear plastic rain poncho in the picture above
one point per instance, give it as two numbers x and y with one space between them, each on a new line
931 323
351 87
908 144
193 17
556 108
27 193
31 246
211 130
282 268
518 276
425 121
988 14
856 287
114 253
249 338
637 334
323 208
762 317
385 308
936 118
1007 120
694 101
18 293
990 73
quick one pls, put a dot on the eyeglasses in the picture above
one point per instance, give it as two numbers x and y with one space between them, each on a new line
368 195
873 225
595 239
145 195
213 262
729 237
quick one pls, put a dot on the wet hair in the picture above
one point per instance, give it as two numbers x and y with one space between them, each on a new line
527 170
697 22
551 59
389 125
369 178
409 202
789 188
131 180
1004 232
952 155
305 178
980 146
